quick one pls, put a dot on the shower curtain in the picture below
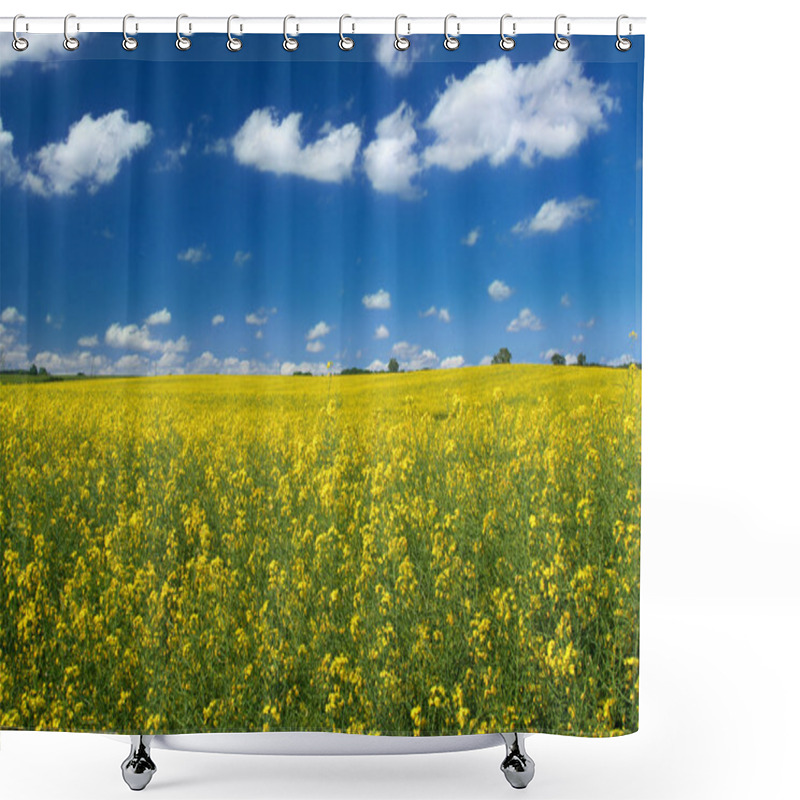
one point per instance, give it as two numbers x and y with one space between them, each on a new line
320 388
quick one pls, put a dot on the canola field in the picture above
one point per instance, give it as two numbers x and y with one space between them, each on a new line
443 552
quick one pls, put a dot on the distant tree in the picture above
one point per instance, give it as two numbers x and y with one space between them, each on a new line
298 372
393 365
558 360
502 356
42 371
33 370
581 359
81 374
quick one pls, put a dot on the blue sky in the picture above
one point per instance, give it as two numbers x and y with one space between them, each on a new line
202 211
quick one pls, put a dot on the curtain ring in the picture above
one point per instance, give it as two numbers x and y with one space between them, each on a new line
400 42
233 44
506 42
70 42
128 42
289 44
451 42
561 43
622 44
18 43
345 42
181 42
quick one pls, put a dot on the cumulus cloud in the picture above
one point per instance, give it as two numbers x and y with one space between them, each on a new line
499 291
258 318
381 332
207 364
88 341
452 362
390 160
13 352
590 323
381 300
47 51
134 337
271 144
525 320
319 330
486 361
241 258
91 154
162 317
378 366
10 171
217 319
10 316
174 155
577 338
472 237
553 216
194 255
529 112
397 63
566 300
623 361
79 361
315 368
411 356
440 313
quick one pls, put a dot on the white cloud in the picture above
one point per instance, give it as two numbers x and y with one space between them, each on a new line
318 331
529 111
452 362
381 300
259 317
217 319
162 317
11 316
577 338
208 363
241 258
589 323
10 171
81 361
173 155
486 361
91 154
132 365
46 49
397 63
381 332
390 160
429 312
410 357
13 353
569 358
499 291
378 366
525 321
472 237
133 337
566 300
259 334
554 215
622 361
270 144
441 313
444 315
315 368
315 346
194 255
54 322
88 341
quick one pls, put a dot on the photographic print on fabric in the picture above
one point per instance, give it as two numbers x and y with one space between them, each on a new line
320 386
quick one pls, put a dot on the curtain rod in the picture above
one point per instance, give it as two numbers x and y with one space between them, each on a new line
514 26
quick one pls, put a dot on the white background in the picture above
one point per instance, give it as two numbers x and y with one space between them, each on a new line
720 705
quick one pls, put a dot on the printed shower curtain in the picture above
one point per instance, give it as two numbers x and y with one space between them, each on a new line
320 391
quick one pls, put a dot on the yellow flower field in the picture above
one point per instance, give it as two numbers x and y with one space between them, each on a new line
452 551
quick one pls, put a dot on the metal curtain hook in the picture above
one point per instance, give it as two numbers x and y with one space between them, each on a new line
451 42
70 42
233 44
181 42
506 42
622 44
18 43
561 43
128 42
345 42
400 42
289 44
